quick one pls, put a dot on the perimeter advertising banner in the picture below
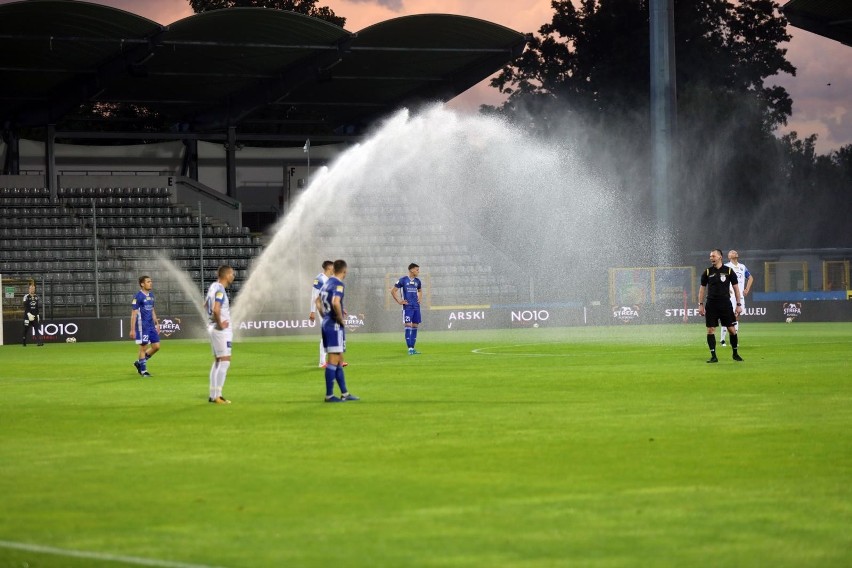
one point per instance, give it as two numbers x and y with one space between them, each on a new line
72 330
294 324
501 317
813 311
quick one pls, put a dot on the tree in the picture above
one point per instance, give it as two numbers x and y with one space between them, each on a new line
593 59
307 7
591 63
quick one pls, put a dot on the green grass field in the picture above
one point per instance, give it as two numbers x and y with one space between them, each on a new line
578 447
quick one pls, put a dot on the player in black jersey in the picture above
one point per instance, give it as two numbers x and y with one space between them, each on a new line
717 282
32 313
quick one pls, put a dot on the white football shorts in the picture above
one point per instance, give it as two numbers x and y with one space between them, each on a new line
220 340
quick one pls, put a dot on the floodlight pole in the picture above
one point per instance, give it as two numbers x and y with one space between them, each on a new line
663 109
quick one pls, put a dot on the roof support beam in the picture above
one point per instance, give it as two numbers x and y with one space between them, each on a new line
52 181
12 159
231 162
189 165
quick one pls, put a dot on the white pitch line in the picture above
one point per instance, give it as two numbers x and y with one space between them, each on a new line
482 351
98 555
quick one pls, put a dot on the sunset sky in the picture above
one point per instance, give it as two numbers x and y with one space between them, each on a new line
821 89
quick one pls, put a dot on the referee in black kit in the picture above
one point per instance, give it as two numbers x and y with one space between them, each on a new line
32 316
716 281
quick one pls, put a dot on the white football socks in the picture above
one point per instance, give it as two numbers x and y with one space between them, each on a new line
221 375
322 354
213 374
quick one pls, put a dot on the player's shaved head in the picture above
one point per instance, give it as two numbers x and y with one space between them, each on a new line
339 266
413 265
223 271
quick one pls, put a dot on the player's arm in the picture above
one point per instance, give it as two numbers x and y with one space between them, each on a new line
701 291
318 307
419 296
217 316
749 283
314 304
27 315
156 319
394 289
134 313
338 310
738 295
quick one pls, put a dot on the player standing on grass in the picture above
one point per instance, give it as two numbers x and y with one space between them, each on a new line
32 313
745 279
409 299
218 309
330 306
144 325
716 282
319 282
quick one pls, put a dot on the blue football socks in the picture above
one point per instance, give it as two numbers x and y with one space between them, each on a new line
330 374
341 382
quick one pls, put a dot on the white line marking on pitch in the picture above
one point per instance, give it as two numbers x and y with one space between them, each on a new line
482 351
98 555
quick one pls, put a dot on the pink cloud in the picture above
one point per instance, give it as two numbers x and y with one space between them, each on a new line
520 15
821 90
161 11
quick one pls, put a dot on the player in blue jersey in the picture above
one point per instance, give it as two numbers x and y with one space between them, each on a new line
408 292
319 282
330 307
144 325
218 308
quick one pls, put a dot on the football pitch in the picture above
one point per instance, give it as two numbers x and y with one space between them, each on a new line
611 446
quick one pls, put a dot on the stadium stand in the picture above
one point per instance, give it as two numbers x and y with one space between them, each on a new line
453 270
55 243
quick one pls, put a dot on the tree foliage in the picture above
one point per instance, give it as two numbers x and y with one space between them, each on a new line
585 77
592 58
307 7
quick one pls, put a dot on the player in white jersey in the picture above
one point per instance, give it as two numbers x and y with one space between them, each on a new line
218 309
319 282
745 280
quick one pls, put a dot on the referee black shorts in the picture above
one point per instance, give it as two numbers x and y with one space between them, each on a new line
716 311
